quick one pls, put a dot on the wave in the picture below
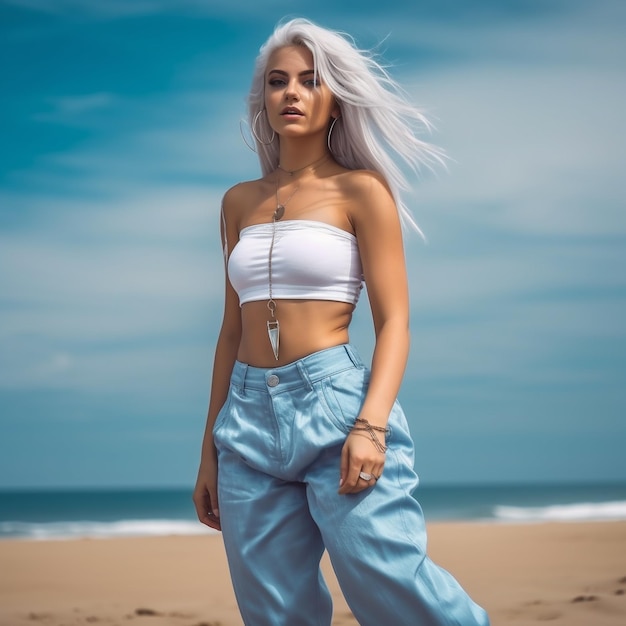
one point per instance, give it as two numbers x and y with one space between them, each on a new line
577 512
99 530
60 530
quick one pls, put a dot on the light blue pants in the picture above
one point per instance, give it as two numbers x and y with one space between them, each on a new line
279 437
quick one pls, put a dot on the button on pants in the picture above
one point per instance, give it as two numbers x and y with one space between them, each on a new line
279 437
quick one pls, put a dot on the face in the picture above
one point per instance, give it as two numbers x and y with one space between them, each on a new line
297 102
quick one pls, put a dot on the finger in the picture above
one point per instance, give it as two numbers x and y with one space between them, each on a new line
214 522
367 476
214 508
361 485
350 478
368 479
208 519
377 472
343 467
202 503
354 483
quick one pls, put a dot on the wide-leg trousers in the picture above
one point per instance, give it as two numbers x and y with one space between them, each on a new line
279 437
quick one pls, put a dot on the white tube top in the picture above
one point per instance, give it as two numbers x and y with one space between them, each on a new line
311 261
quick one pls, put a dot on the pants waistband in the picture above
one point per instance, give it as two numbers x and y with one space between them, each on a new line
302 372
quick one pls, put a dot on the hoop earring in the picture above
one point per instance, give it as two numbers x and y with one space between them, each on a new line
243 137
330 132
253 129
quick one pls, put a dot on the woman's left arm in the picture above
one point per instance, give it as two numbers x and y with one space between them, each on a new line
377 226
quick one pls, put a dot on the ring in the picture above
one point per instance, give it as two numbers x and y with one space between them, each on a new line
365 476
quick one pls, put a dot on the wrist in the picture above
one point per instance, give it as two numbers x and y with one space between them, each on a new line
376 434
375 415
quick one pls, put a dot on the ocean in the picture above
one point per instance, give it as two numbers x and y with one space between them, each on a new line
101 513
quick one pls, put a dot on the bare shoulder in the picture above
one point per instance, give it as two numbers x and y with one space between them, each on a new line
369 193
363 180
241 193
239 198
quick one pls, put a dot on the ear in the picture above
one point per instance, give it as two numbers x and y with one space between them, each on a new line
335 112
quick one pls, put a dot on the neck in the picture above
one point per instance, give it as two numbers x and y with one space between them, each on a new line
301 168
298 154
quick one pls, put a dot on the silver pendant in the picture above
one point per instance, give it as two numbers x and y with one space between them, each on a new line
279 212
273 331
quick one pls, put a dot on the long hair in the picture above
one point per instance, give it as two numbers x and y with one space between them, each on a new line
377 120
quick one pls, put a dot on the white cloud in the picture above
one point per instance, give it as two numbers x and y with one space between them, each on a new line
152 245
185 135
124 245
524 263
110 265
580 34
535 148
127 245
137 268
69 108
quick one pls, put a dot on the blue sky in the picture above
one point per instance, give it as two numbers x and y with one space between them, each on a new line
120 132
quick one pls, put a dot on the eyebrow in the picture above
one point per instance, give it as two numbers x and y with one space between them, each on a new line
283 73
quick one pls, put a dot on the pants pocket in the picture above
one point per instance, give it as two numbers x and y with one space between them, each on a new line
343 395
223 414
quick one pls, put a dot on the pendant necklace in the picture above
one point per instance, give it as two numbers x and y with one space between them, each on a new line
273 325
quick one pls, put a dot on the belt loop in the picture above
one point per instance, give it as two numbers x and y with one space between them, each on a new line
304 374
352 355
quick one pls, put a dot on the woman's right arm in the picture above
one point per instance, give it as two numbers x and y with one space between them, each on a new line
205 492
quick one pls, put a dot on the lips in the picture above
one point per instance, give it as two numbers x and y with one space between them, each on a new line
291 111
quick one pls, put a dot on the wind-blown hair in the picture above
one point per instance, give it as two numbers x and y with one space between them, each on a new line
377 120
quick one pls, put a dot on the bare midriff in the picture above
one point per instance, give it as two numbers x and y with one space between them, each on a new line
306 326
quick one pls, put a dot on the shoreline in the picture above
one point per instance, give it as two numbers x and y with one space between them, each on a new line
203 531
570 573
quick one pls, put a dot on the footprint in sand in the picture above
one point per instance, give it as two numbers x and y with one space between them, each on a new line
147 612
585 599
542 612
536 610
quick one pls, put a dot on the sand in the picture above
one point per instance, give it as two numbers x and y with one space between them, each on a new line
566 574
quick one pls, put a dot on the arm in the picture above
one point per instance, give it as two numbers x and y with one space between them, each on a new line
205 492
377 226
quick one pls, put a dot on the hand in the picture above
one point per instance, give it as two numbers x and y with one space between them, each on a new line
359 455
205 494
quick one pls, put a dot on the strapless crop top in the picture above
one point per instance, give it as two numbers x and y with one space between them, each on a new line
311 261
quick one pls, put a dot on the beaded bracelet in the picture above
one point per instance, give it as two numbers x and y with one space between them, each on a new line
371 431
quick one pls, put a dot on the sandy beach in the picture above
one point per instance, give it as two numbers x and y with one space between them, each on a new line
570 574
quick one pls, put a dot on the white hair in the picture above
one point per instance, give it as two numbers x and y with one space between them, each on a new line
377 119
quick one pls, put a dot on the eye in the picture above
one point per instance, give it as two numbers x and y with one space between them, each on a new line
276 82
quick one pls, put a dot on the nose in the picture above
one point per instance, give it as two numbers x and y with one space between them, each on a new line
291 92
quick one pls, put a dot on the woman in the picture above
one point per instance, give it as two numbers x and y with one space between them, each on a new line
312 448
